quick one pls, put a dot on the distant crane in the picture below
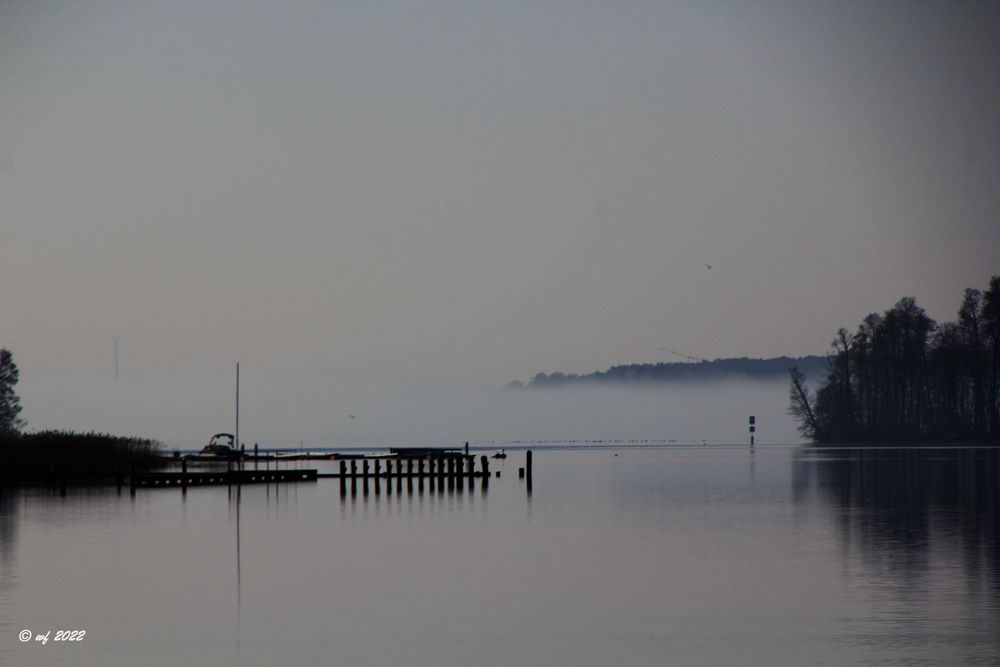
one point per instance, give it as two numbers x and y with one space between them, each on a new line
115 339
690 357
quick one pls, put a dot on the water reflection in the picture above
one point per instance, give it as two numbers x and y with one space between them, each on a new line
912 516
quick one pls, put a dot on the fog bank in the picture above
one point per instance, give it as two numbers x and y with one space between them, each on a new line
281 409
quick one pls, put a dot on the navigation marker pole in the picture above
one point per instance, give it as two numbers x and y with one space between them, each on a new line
753 428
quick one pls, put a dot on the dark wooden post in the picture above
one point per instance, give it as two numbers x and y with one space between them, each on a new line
184 474
527 464
378 474
484 463
343 478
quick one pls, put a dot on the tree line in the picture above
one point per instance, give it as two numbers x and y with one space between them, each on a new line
902 377
718 369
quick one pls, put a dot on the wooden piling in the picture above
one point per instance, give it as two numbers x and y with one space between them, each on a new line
378 475
343 478
527 465
184 474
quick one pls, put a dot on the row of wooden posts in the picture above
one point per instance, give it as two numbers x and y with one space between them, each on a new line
452 469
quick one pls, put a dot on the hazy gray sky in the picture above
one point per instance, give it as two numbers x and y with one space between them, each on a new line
375 197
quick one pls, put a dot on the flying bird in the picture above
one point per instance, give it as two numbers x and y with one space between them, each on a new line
708 266
352 416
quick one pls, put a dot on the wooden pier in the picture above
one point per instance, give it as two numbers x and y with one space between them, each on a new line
182 478
440 468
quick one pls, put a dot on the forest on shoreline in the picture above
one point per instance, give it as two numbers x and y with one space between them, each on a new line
702 371
901 377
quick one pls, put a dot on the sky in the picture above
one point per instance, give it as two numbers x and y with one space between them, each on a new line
362 200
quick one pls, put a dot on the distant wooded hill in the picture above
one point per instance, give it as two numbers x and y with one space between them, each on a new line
720 369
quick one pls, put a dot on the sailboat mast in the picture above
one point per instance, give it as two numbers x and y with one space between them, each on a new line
237 443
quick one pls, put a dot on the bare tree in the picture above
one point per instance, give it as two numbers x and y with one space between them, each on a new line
801 405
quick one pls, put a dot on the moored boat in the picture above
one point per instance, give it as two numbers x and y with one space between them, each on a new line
221 446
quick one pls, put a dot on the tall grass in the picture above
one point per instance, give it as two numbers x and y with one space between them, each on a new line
34 457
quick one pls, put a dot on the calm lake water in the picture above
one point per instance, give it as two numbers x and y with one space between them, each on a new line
632 556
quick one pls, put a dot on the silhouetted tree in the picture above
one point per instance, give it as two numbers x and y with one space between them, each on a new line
10 404
801 405
991 333
901 377
971 346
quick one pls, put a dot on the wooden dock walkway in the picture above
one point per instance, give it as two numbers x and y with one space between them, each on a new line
183 478
441 468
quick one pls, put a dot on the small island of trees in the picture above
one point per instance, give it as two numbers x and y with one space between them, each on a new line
902 377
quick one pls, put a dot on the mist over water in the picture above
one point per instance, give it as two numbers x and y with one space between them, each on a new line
286 408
